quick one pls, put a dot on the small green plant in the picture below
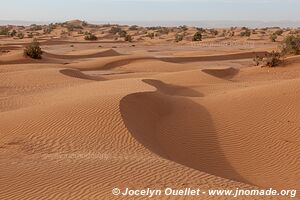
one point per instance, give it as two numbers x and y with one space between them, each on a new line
33 50
197 36
90 36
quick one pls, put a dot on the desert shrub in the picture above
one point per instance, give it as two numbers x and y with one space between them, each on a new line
273 37
20 35
273 59
84 23
133 28
34 27
178 37
150 35
201 30
184 28
30 35
47 30
197 36
122 33
257 60
4 31
279 32
13 33
214 32
231 34
128 38
33 50
90 36
245 33
115 30
291 45
163 30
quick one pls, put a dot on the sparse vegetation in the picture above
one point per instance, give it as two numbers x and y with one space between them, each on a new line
30 35
47 30
122 34
20 35
13 33
133 28
183 28
246 32
214 32
273 37
33 50
272 59
115 29
179 37
197 36
4 31
34 27
150 35
279 32
128 38
291 45
90 36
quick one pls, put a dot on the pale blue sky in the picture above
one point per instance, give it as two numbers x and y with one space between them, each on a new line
149 10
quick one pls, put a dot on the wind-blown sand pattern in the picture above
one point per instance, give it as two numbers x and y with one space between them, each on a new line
86 119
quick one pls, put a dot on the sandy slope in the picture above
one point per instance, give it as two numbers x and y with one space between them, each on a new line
166 122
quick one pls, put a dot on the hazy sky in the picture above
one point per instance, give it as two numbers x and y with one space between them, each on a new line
149 10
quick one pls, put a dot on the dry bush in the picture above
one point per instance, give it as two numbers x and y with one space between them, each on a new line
197 36
273 37
90 36
179 37
291 45
33 50
128 38
20 35
272 59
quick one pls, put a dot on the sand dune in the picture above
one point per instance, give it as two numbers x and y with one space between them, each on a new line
75 125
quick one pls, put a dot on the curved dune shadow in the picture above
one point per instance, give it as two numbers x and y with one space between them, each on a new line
173 90
78 74
226 73
178 129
